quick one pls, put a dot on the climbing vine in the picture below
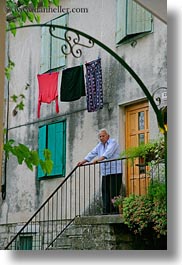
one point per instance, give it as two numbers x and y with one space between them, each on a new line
22 11
28 156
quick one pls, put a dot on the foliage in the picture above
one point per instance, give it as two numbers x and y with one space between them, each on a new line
9 68
19 100
147 211
117 200
154 148
20 12
29 157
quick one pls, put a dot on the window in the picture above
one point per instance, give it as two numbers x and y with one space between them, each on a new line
53 137
51 54
25 242
132 21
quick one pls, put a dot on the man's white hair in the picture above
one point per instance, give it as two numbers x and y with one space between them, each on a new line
103 130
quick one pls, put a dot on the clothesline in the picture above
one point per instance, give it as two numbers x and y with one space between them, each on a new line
64 67
73 86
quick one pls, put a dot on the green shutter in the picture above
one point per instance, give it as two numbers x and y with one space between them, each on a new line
57 57
42 146
120 20
26 242
138 19
45 50
56 144
132 19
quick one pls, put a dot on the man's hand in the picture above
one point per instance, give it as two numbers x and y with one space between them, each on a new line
81 162
98 159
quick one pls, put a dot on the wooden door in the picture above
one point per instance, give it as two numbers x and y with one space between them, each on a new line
137 132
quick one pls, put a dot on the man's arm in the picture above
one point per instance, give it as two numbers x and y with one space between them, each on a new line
98 159
89 156
82 162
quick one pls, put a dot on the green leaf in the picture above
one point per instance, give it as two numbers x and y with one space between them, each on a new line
46 3
26 1
7 73
23 16
24 150
14 98
48 166
21 105
42 164
28 162
56 2
12 27
15 13
17 152
30 16
35 158
8 147
37 19
35 3
47 154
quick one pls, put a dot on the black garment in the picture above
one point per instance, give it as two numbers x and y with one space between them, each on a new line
72 84
111 187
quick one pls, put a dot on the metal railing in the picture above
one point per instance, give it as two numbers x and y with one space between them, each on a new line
79 194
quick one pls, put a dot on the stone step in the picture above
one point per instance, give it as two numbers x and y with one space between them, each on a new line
88 233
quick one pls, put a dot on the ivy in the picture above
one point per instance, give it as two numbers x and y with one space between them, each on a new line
9 68
21 13
19 9
19 100
46 164
28 156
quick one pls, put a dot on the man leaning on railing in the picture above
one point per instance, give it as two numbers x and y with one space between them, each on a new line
107 149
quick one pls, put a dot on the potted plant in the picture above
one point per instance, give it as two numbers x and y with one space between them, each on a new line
152 150
117 202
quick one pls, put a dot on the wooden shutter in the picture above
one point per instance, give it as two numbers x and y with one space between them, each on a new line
56 144
138 19
42 146
45 50
132 19
57 57
120 20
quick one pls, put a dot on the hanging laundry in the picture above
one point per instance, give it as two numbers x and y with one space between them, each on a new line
48 89
94 85
72 84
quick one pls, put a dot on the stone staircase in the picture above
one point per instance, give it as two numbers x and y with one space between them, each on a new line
89 233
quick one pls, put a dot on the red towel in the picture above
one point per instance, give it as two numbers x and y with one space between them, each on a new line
48 89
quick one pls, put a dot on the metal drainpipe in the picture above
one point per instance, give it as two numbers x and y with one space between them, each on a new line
6 136
2 60
6 139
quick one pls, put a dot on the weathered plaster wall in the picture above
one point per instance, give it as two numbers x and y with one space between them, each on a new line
147 58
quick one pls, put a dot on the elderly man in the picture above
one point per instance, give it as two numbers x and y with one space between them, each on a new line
107 149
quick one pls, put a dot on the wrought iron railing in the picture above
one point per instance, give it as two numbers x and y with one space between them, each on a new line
79 194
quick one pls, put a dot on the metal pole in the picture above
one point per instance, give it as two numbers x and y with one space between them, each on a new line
2 76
